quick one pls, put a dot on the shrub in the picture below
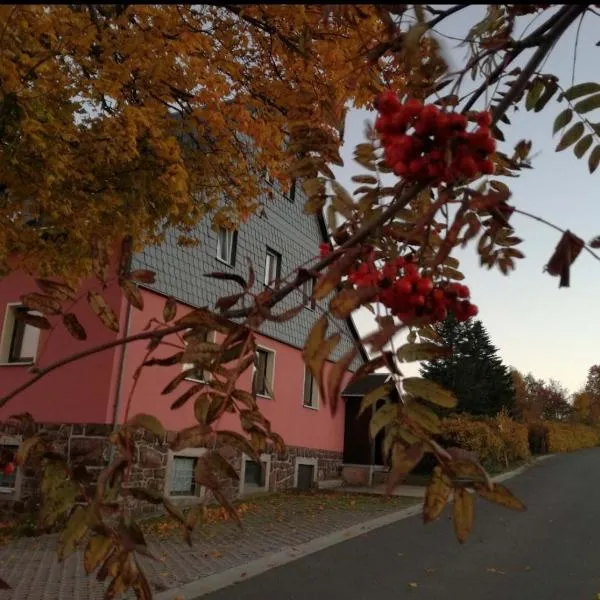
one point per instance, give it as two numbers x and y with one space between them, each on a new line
514 436
566 437
475 435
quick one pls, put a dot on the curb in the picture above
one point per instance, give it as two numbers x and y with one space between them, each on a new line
212 583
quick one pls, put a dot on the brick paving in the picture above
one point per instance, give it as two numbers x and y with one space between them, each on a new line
271 524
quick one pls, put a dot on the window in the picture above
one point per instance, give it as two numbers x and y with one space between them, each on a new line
19 341
200 376
263 372
292 192
307 290
311 390
226 245
255 476
180 481
272 266
9 483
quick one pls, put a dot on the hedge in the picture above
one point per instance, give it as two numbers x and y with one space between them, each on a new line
552 436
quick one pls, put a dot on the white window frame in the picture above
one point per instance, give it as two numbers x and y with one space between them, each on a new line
8 327
313 462
272 257
315 391
231 241
210 337
264 458
307 289
187 453
270 371
13 493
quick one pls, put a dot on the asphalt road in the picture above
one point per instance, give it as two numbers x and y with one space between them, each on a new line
551 551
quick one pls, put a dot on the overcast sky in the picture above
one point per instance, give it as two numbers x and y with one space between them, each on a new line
539 328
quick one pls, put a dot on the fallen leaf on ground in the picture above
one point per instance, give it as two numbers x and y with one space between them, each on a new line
494 570
413 585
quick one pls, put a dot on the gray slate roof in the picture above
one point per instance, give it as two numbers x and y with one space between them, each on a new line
284 228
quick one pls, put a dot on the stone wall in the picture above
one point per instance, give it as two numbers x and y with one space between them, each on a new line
89 445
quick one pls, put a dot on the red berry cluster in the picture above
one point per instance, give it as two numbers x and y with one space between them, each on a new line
423 143
410 295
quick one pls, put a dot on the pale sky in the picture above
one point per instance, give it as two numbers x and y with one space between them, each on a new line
539 328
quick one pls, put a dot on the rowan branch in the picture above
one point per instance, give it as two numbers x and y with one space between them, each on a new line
39 373
553 226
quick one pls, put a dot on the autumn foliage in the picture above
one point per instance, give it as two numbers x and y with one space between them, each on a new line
563 437
119 120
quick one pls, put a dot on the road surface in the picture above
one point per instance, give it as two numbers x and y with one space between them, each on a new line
550 552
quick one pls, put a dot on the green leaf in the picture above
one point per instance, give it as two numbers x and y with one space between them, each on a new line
382 418
535 91
583 145
588 104
423 351
430 391
149 422
563 119
96 551
74 530
374 395
423 416
549 91
581 89
594 159
572 135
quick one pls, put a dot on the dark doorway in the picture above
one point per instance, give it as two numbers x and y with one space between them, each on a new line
306 477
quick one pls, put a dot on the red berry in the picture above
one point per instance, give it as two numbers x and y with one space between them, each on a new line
417 300
487 167
440 313
9 469
324 249
472 310
400 169
438 295
388 102
399 262
467 166
488 145
403 286
413 107
484 119
424 285
463 291
411 272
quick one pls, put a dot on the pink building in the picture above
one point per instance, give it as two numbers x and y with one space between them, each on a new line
85 400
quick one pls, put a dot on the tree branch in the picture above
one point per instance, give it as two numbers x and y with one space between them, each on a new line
39 373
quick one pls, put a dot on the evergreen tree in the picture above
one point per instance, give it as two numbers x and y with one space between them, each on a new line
473 371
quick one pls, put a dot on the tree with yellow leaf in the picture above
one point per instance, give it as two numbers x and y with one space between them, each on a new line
119 118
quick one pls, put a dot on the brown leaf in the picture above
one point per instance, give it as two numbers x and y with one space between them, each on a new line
192 437
149 422
345 302
103 311
329 280
170 309
500 495
186 396
436 495
60 291
96 552
147 494
381 338
73 532
404 460
220 463
228 277
172 385
228 302
366 368
429 390
564 255
595 243
237 441
132 293
167 361
464 511
336 376
423 416
41 303
286 315
74 327
33 320
204 318
126 254
143 276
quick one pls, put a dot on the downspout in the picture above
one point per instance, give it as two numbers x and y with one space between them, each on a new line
118 395
372 465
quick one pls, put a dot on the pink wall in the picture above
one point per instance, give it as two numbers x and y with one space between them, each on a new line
82 392
299 426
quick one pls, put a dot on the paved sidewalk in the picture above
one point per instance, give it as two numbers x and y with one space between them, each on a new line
271 524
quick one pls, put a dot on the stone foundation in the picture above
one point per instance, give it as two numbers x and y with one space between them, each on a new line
89 445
